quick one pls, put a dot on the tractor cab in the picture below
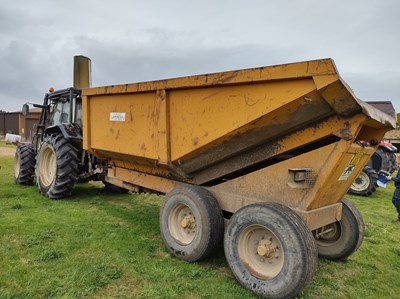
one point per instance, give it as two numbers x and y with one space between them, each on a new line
65 107
61 114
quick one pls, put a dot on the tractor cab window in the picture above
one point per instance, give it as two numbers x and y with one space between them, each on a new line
61 111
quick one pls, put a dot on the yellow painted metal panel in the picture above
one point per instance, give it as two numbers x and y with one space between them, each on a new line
128 124
86 123
177 120
131 179
323 69
271 184
201 116
342 168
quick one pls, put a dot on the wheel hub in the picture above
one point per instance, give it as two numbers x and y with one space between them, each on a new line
182 224
260 251
266 250
188 222
361 182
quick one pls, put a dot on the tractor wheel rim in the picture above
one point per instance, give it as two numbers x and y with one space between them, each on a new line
361 182
47 166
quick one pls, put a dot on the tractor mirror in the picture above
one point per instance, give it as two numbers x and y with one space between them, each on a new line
25 110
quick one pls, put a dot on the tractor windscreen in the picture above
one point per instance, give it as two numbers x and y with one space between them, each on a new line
61 112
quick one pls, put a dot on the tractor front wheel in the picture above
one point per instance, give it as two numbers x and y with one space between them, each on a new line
24 165
366 182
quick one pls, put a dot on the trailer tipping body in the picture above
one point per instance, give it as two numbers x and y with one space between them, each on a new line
265 141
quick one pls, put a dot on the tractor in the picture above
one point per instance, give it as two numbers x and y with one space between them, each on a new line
55 156
384 159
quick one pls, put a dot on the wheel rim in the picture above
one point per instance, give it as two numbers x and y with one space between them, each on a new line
17 165
361 182
328 234
47 166
261 252
182 224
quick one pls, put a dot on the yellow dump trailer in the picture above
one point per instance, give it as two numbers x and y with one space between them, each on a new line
272 149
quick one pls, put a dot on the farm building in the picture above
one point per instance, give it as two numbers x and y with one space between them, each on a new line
393 137
16 123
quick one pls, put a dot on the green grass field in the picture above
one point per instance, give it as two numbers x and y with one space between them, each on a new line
102 245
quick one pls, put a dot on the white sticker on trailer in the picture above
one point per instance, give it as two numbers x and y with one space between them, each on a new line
117 116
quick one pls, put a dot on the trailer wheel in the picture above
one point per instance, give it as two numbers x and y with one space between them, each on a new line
339 240
57 167
270 250
24 165
191 223
366 182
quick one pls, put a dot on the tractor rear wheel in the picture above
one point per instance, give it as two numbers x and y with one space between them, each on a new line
270 250
366 182
57 167
24 165
339 240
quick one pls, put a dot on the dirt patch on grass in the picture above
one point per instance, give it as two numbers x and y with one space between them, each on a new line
5 151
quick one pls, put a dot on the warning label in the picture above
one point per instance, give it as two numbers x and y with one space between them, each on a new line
355 159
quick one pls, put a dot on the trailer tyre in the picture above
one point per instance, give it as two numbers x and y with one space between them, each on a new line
191 223
339 240
270 250
24 165
57 167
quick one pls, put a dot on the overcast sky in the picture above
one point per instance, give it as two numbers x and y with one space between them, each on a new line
131 41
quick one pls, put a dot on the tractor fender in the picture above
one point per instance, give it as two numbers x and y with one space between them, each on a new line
69 131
